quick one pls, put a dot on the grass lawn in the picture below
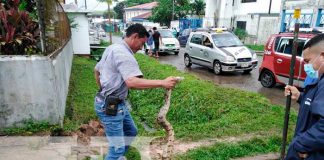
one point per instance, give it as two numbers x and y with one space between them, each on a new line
199 110
256 47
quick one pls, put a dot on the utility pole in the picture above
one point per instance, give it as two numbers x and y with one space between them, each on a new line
109 22
173 10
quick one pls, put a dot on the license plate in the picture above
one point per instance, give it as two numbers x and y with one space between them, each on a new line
245 64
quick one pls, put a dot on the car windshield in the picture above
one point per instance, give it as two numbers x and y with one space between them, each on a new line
166 34
226 40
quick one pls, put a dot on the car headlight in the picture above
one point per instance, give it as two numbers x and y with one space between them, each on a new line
230 59
254 56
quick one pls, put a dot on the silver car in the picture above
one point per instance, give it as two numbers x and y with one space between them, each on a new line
220 51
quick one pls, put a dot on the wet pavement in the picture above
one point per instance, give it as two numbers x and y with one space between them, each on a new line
247 82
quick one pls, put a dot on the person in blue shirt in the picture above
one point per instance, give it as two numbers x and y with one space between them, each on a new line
150 43
308 141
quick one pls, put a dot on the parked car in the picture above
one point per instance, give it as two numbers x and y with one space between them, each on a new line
221 51
184 35
169 42
275 66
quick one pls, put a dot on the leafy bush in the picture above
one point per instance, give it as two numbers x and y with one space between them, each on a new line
18 32
240 33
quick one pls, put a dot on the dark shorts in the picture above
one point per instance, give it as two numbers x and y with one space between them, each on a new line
156 46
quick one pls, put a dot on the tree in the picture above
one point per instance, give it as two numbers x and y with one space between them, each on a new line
109 2
198 7
119 9
162 13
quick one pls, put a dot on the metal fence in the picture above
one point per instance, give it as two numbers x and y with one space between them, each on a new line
54 25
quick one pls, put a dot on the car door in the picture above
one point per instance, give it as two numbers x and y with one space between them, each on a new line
282 59
182 37
206 51
194 48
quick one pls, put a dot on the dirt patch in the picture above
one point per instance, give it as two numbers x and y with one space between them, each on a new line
270 156
157 145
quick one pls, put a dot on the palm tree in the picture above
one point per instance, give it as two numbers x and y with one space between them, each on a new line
109 2
198 7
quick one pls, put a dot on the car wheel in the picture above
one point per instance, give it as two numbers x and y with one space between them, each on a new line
187 60
217 68
176 53
267 79
247 71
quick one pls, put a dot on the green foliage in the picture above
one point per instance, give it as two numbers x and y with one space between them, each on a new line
133 154
82 90
72 22
104 43
119 9
240 33
29 127
199 7
224 151
162 13
256 47
19 34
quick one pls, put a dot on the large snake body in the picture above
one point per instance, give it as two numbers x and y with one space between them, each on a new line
167 152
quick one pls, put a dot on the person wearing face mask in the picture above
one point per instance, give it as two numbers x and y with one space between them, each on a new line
308 141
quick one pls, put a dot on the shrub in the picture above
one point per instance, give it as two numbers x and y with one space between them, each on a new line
19 34
240 33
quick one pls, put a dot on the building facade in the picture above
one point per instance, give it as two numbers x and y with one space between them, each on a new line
260 18
311 14
139 13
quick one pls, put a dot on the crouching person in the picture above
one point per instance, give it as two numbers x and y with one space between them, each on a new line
115 73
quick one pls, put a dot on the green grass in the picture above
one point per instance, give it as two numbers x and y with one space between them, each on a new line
256 47
199 109
224 151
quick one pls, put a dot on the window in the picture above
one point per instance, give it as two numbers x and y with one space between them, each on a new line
247 1
206 42
241 25
286 46
196 38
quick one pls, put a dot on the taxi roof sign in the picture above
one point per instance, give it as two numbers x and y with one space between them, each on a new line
297 13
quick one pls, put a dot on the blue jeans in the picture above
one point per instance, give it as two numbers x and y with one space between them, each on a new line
120 130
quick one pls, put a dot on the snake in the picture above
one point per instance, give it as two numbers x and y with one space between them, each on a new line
167 152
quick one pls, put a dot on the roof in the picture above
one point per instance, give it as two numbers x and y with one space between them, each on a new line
144 15
145 6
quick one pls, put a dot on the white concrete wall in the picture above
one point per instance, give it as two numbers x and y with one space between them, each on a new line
80 34
34 87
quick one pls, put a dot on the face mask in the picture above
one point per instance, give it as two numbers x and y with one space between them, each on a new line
310 71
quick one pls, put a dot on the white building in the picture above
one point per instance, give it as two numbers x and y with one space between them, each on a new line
80 32
260 18
139 13
311 14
